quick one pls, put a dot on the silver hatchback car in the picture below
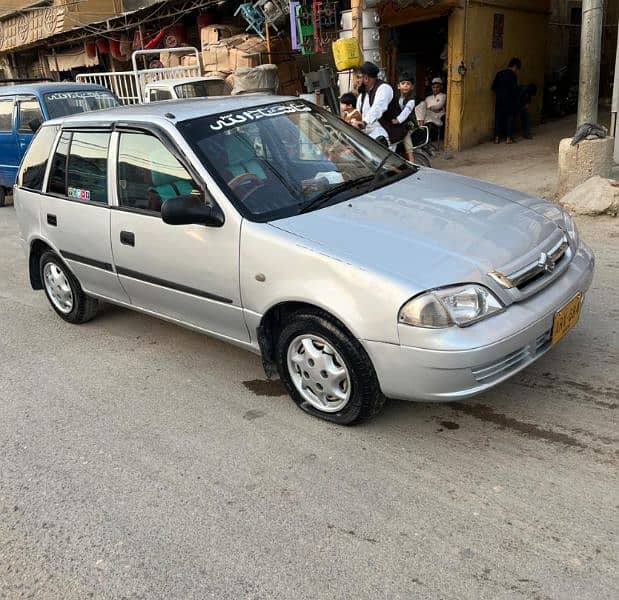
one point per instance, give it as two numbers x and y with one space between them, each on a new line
269 223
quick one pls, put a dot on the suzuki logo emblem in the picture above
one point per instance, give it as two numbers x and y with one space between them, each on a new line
546 262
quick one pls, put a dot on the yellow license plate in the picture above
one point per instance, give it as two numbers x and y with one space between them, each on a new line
566 318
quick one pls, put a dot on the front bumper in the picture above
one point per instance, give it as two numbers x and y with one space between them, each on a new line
458 363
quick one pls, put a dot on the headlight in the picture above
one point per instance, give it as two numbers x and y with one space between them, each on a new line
460 305
570 228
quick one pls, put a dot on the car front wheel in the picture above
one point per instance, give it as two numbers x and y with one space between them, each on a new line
326 371
64 291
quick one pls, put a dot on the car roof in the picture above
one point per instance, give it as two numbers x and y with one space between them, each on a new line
181 80
171 110
47 87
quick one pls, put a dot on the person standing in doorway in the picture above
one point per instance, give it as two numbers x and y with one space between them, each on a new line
435 107
505 86
378 107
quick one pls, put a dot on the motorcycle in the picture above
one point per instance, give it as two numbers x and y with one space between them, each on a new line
422 148
560 95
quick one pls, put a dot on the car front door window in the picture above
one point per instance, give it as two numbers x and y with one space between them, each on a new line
149 174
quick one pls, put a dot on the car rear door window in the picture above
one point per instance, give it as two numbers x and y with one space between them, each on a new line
29 115
6 114
149 174
87 167
33 166
58 174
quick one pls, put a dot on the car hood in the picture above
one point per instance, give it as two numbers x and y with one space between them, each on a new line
429 229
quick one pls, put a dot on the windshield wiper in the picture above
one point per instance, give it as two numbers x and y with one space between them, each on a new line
333 191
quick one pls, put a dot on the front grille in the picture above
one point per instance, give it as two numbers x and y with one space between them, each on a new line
546 264
536 270
511 362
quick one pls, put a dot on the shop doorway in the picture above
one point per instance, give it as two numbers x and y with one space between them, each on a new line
419 49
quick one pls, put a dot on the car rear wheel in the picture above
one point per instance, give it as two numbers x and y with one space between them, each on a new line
2 196
327 372
64 291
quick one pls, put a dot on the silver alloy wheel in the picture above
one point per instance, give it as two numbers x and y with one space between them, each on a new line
319 373
58 288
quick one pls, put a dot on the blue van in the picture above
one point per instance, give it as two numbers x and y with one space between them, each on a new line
24 107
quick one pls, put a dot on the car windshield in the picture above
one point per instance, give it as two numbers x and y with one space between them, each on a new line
60 104
289 157
200 89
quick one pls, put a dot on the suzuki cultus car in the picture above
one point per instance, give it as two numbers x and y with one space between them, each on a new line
270 223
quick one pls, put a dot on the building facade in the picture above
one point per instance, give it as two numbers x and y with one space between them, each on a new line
469 41
563 48
464 42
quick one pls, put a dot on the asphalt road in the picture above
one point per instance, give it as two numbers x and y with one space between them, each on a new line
141 460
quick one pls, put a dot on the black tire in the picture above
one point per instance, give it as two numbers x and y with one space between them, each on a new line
366 399
420 158
85 308
2 197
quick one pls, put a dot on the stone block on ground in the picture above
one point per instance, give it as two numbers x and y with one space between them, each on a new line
595 196
582 161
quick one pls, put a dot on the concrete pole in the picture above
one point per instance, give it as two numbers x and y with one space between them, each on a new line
590 56
614 115
356 12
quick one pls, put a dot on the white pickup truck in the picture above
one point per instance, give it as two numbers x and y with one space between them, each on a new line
187 87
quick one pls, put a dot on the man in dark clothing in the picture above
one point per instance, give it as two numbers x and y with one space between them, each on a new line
505 86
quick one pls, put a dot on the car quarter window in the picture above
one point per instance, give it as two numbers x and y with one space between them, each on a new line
87 166
6 114
29 113
149 174
33 166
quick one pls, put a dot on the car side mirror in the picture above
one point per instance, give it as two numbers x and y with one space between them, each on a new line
34 124
191 210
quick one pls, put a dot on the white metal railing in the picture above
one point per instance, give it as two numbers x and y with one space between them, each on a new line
129 86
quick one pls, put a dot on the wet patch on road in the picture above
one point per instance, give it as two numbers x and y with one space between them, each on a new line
487 414
265 387
252 415
449 425
574 390
352 533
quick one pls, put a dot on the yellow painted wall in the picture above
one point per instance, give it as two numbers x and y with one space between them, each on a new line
525 34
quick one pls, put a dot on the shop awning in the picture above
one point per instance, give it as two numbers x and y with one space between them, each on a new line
65 61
